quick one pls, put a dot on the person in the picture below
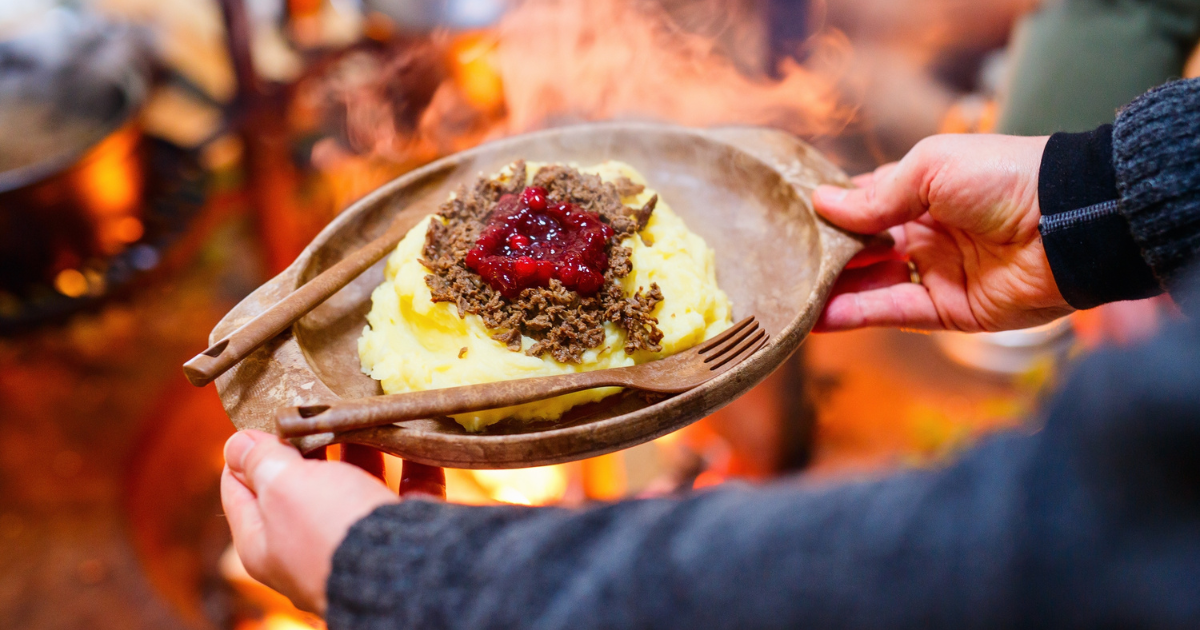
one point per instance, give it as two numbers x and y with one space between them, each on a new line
1074 62
1093 520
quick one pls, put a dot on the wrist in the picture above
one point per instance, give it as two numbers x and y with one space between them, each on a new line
1087 241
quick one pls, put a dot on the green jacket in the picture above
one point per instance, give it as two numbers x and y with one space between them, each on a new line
1076 61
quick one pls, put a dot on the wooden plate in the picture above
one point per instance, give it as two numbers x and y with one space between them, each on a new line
745 190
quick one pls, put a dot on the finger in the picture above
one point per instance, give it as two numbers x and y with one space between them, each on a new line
904 305
245 519
864 180
237 446
876 276
875 254
892 195
256 458
421 479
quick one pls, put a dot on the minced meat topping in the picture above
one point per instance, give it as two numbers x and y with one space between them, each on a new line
560 321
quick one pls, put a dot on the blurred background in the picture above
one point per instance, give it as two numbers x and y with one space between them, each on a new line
159 159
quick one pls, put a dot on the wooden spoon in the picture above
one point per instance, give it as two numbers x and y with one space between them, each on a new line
205 367
672 375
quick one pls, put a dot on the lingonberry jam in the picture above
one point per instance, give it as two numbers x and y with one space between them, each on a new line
528 241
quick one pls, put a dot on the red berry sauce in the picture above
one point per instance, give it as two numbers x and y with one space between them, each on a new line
528 240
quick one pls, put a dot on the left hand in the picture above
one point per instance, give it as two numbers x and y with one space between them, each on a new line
288 514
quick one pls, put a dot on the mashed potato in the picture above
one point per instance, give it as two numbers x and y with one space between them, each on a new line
414 344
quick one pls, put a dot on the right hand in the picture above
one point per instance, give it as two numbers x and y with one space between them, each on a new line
964 210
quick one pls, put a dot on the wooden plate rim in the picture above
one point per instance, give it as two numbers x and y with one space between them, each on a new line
556 445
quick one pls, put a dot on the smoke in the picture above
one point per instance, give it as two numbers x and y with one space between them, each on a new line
566 60
555 62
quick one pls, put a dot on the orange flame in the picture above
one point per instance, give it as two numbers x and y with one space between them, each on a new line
109 182
473 57
524 486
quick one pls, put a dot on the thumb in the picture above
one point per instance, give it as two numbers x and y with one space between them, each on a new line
886 198
256 458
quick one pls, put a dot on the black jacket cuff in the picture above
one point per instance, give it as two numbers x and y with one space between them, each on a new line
1088 242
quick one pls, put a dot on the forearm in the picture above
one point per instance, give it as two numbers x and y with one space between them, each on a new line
910 551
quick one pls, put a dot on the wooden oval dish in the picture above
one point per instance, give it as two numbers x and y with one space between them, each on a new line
745 190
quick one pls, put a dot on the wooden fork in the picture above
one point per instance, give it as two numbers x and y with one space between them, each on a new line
672 375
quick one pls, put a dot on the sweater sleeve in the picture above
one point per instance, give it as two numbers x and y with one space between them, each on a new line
1093 521
1121 204
1087 240
1156 153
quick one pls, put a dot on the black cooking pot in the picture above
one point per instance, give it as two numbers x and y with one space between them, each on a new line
71 170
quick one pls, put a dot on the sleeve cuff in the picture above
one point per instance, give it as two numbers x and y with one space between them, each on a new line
1088 242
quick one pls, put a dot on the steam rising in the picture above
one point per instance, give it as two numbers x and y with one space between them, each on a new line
555 62
565 60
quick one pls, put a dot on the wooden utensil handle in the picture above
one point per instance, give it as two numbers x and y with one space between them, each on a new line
205 367
361 413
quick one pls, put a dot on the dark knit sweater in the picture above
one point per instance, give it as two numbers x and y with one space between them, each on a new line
1156 142
1121 204
1094 521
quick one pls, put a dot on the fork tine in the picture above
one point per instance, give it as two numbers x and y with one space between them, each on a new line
729 332
735 357
744 351
731 343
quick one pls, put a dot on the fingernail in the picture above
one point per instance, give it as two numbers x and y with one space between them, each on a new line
830 194
236 448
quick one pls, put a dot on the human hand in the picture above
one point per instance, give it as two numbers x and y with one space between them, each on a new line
964 210
289 514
